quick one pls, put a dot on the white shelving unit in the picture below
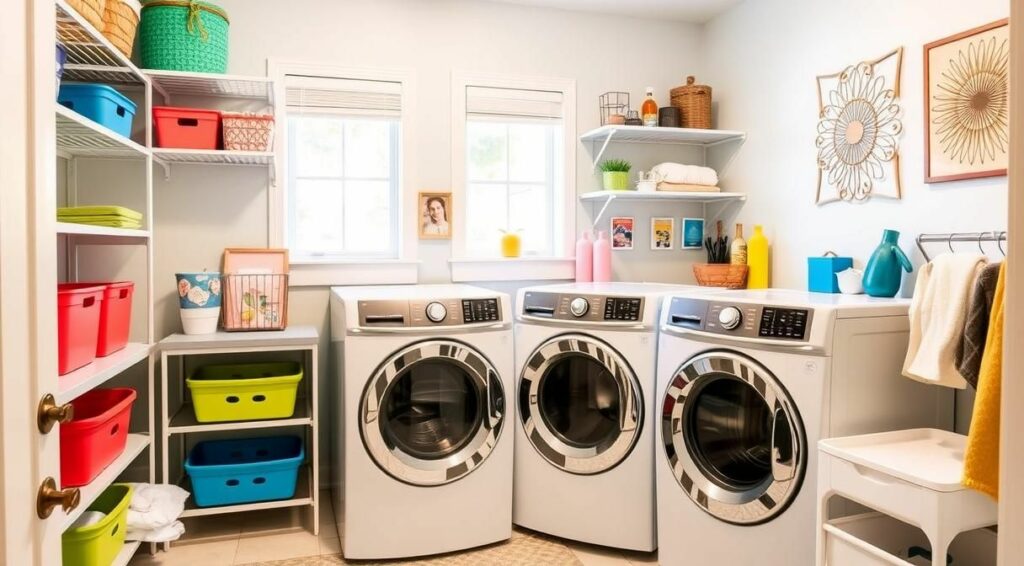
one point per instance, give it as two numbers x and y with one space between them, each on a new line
166 157
179 420
92 58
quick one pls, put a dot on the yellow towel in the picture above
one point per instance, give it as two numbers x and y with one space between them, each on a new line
981 459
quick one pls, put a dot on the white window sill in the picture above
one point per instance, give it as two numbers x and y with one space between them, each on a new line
313 273
512 269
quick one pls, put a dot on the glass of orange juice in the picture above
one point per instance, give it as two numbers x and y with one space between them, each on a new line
511 244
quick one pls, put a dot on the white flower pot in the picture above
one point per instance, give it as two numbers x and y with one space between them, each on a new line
200 321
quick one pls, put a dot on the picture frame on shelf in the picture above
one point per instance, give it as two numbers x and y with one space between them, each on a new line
966 101
621 231
435 219
663 231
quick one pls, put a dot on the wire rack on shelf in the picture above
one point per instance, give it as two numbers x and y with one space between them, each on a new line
255 302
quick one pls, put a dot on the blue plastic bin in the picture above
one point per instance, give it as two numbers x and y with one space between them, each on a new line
231 472
821 272
101 104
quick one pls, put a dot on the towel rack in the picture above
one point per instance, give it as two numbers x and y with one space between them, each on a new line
998 236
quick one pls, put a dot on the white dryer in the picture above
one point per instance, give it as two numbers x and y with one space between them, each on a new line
584 465
749 382
422 418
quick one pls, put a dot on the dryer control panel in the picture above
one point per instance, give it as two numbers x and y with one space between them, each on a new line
584 308
428 312
740 319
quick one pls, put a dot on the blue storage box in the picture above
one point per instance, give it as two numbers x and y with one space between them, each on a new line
101 104
230 472
821 272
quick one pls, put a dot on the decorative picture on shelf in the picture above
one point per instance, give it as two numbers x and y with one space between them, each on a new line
662 233
693 234
966 87
435 216
859 130
622 232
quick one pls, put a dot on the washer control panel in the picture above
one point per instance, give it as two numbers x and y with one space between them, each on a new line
737 319
428 312
585 308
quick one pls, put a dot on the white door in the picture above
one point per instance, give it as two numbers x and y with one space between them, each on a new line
28 278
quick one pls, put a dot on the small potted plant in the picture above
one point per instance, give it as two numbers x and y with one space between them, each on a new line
616 174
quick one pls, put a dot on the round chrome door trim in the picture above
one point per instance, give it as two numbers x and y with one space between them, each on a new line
430 472
580 460
754 504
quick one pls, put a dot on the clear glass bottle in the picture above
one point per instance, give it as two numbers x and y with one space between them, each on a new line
649 109
738 249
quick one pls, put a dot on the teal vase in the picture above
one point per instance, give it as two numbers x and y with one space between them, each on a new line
884 272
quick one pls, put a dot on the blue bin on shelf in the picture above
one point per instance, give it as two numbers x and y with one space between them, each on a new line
101 104
232 472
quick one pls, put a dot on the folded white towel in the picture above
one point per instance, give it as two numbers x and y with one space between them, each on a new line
166 533
937 314
685 174
155 506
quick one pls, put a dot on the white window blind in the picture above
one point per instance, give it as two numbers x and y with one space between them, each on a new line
334 94
512 103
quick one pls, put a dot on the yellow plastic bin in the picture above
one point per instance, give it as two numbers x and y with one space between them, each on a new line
245 392
98 544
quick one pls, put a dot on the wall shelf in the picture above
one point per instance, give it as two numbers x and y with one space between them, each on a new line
166 157
90 56
84 379
103 234
184 421
649 135
178 83
78 136
135 445
605 198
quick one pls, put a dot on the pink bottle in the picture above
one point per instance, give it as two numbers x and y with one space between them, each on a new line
602 258
584 258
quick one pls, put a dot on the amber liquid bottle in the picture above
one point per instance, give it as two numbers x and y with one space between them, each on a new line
649 109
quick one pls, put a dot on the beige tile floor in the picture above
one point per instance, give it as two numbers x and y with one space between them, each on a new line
229 540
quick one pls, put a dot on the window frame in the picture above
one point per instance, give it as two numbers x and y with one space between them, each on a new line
561 265
353 270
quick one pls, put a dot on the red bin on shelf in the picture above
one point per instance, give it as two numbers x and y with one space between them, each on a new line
186 128
96 435
115 314
78 325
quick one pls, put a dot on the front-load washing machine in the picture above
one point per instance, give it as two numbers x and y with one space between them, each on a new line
584 466
422 443
749 382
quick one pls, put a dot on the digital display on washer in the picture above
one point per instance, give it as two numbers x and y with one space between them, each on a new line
622 308
783 323
480 310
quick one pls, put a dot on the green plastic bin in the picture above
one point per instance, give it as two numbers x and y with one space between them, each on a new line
244 392
183 35
99 543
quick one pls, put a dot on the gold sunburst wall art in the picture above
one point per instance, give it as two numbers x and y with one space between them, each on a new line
966 97
859 129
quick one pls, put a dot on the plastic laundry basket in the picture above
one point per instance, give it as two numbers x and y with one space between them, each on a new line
78 325
188 128
99 543
96 436
230 472
101 104
241 392
115 314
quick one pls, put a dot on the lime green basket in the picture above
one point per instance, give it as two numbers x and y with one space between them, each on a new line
244 392
184 35
98 544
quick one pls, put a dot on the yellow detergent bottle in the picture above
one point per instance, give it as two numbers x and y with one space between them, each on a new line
757 260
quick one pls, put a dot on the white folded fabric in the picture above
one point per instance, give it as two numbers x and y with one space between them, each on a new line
937 314
161 506
685 174
166 533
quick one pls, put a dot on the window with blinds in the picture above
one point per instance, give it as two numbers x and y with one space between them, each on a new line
514 169
343 165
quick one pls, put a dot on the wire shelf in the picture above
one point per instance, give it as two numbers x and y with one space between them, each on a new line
91 57
212 84
80 136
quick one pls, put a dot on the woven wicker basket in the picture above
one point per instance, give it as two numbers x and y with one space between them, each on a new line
720 275
91 10
247 132
120 20
183 35
694 102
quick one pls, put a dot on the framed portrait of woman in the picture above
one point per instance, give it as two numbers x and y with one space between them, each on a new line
435 216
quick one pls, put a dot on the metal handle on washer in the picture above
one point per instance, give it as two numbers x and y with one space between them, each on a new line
495 400
627 409
783 467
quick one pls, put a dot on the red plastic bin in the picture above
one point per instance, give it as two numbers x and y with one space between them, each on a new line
96 435
78 325
115 315
187 128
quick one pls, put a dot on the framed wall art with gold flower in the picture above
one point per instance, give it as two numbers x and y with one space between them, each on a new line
859 129
966 97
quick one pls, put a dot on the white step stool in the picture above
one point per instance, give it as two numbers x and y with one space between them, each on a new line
909 475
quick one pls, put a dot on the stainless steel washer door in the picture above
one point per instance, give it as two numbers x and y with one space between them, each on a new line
580 404
733 438
432 413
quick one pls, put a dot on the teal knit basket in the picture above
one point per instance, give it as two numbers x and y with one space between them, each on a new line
183 35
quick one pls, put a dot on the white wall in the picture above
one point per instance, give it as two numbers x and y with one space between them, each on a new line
762 58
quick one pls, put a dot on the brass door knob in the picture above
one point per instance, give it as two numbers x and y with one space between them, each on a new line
49 497
50 413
